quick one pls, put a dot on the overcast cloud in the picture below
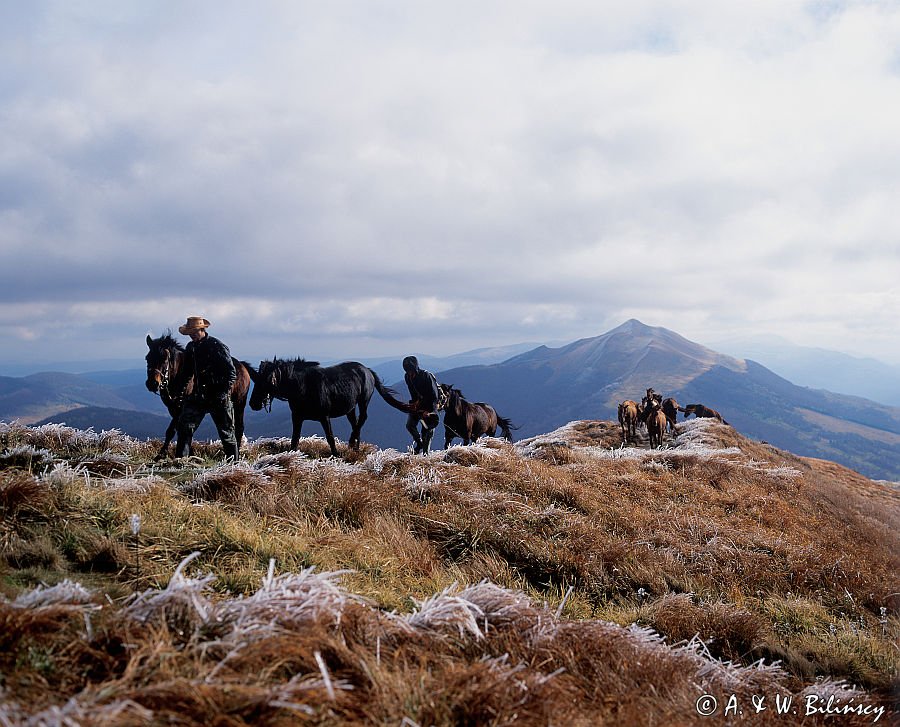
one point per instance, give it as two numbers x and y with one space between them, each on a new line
353 179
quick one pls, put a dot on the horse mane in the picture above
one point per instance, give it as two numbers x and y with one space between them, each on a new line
290 364
301 363
167 340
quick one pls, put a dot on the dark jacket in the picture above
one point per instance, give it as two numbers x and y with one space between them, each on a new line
422 385
423 388
209 362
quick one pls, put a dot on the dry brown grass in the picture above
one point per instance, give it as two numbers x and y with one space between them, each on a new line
735 548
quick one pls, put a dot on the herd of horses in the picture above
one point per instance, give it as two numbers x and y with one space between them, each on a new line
314 392
658 415
321 393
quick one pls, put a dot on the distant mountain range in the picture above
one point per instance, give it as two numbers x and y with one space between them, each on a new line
539 389
820 368
31 398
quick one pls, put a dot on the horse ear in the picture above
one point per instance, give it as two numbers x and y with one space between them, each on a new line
149 341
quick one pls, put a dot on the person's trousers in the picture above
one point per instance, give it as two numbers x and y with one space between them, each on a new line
192 413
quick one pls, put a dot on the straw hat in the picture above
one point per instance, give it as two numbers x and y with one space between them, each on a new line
194 323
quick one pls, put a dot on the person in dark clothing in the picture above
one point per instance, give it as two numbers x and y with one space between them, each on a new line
209 361
423 389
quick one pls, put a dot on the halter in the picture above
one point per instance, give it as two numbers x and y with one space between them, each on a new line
163 373
443 399
270 396
164 378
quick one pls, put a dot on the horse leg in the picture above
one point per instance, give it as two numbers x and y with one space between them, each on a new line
329 435
363 416
239 420
354 429
188 420
170 433
297 425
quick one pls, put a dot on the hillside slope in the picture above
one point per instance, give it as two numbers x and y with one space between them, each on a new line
34 397
563 578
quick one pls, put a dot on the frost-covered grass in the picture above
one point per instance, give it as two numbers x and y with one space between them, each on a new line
303 648
429 585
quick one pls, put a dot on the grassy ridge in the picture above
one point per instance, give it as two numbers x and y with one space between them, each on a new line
565 549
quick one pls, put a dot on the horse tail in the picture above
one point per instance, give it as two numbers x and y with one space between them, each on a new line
389 395
505 426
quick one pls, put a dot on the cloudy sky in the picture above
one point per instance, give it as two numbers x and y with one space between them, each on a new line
363 178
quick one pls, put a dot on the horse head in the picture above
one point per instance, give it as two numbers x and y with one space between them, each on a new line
160 362
265 384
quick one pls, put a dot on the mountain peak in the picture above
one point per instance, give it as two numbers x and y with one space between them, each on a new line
634 327
632 355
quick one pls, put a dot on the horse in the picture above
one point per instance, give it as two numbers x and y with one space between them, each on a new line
656 426
670 409
702 412
628 419
163 364
470 421
320 392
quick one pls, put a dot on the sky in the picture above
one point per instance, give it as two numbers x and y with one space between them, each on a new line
371 178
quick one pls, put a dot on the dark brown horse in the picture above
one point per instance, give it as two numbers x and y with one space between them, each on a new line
702 412
470 421
163 364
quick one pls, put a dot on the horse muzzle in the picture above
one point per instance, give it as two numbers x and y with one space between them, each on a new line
153 384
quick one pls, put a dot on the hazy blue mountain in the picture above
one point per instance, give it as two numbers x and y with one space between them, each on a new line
822 369
17 368
31 398
120 377
391 369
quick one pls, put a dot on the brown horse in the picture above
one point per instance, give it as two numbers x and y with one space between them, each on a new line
656 426
163 364
468 420
702 412
628 419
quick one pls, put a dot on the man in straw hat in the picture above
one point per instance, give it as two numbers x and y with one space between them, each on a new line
209 361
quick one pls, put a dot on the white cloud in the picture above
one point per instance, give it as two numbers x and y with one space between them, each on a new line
372 175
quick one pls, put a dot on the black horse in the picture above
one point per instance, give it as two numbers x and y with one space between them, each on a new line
469 421
320 392
163 364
